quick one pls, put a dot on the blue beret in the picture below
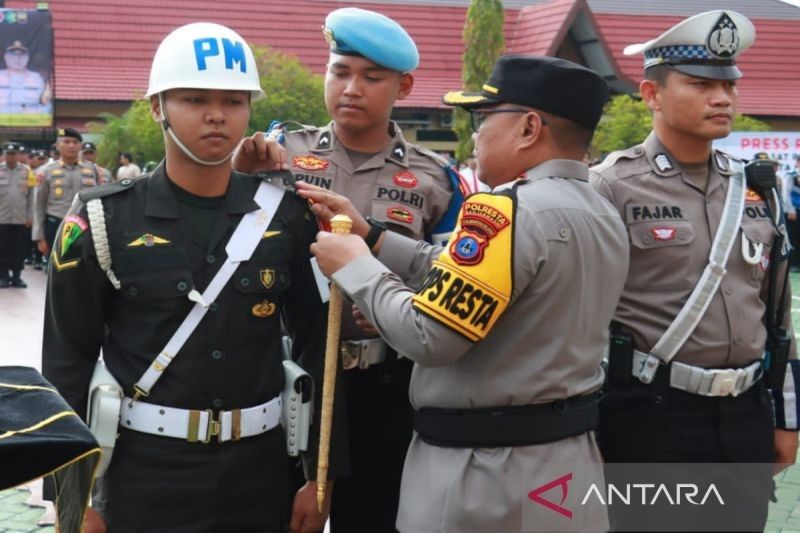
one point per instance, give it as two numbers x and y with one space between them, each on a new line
354 31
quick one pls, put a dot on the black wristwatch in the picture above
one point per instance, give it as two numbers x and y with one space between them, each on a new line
376 228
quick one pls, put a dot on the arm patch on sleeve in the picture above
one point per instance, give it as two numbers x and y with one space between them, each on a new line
469 286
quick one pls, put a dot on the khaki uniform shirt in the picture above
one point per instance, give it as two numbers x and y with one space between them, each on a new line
569 256
16 194
671 222
58 183
405 186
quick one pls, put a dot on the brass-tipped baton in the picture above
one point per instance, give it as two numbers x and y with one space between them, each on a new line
340 225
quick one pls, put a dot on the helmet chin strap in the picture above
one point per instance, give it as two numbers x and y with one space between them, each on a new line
184 149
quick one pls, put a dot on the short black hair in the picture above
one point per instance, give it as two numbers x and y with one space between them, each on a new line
568 134
126 155
658 74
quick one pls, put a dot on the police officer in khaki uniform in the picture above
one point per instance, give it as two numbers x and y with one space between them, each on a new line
57 185
89 155
708 403
509 326
16 195
401 186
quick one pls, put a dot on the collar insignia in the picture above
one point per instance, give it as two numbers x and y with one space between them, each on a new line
399 151
324 141
663 163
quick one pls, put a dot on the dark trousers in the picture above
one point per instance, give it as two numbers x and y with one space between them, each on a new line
13 245
380 426
157 484
793 227
658 424
51 225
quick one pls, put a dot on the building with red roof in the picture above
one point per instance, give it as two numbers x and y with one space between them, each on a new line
103 48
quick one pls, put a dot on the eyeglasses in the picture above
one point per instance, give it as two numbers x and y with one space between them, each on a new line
478 116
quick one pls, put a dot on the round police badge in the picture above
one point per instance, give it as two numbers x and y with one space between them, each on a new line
467 248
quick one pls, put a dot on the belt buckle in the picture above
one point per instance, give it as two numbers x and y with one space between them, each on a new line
724 382
351 354
212 429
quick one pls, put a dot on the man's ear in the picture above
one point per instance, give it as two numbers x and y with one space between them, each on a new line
406 84
531 129
650 91
155 108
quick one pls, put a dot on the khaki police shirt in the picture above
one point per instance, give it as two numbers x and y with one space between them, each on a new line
570 256
404 186
58 183
16 194
671 222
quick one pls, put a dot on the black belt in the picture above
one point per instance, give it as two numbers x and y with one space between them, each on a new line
493 427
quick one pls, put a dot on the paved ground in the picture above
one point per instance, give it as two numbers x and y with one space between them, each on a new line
21 313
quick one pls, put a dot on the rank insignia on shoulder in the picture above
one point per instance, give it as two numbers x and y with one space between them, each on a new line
73 227
309 162
263 309
399 152
147 240
324 141
663 163
267 277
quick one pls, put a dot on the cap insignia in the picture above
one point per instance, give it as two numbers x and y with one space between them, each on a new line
723 41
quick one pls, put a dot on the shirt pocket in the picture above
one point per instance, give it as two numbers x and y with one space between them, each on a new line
400 218
152 286
661 255
754 248
259 287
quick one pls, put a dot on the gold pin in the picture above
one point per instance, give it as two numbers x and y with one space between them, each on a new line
264 309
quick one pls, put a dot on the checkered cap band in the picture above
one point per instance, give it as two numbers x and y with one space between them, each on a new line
681 51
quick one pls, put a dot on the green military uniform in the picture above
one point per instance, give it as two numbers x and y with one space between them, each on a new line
164 242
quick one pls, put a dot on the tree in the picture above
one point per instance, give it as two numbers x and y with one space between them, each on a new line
627 120
291 92
484 42
135 132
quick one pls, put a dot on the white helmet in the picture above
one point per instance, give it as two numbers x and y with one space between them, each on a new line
204 55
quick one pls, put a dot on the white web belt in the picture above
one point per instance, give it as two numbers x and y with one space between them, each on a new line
695 307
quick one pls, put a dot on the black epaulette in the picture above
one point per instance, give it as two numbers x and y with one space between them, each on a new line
105 190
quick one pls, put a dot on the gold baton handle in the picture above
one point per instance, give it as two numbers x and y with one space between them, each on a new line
340 225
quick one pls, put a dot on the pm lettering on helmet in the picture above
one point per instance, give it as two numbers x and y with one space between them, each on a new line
209 47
